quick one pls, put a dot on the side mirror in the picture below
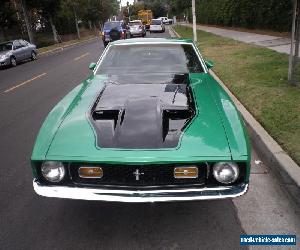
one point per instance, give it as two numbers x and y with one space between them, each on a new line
209 64
92 66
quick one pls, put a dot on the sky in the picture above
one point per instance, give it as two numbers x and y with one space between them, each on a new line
124 2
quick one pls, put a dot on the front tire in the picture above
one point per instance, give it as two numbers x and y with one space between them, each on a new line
33 56
13 62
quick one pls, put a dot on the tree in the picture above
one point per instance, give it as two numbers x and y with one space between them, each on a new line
48 10
8 19
26 20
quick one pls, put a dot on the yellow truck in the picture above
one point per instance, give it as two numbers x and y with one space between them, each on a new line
145 16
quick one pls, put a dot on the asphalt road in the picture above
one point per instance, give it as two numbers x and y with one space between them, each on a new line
27 221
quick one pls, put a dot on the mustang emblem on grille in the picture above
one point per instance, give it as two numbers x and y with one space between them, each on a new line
137 174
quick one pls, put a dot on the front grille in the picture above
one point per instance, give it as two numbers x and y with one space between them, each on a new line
150 175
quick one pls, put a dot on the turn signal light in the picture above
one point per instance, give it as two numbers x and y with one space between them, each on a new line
185 172
90 172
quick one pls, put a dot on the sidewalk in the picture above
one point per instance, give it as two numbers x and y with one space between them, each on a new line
279 44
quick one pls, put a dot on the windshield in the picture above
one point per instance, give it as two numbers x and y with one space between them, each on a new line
156 22
5 46
154 58
135 23
111 25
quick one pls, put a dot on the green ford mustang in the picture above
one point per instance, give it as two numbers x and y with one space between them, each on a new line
149 124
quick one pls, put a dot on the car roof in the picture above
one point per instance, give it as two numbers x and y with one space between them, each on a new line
152 40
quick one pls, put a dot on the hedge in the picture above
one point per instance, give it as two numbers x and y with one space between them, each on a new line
260 14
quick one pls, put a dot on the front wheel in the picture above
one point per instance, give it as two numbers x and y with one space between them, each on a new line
13 62
33 56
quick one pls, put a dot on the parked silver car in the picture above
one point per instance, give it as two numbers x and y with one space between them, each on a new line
15 51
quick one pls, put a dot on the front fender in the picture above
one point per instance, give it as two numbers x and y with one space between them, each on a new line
53 121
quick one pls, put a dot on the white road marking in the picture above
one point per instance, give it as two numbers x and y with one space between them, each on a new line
23 83
79 57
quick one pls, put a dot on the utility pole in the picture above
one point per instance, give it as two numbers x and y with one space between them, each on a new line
295 38
128 10
194 21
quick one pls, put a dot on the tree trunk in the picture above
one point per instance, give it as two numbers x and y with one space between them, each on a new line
90 25
55 38
95 29
28 26
76 22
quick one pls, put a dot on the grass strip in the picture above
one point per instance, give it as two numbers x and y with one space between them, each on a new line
258 78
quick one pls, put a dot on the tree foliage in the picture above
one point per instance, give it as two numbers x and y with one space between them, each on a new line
50 15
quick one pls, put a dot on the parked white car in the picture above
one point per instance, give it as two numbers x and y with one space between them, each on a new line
166 20
157 25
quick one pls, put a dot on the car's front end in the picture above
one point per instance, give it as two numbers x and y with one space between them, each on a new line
164 136
4 59
6 52
140 183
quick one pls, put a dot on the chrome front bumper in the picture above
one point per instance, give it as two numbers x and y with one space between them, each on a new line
140 195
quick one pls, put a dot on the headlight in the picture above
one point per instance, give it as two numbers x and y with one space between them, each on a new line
226 172
3 56
53 171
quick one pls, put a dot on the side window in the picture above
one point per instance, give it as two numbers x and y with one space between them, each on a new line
17 45
23 43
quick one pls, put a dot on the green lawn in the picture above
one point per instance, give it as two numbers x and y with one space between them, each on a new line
258 78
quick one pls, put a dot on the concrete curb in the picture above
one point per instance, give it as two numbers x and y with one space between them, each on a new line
65 46
287 171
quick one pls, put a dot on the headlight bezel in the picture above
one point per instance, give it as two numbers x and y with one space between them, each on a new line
218 166
56 166
3 57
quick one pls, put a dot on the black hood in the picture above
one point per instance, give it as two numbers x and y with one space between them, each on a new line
142 115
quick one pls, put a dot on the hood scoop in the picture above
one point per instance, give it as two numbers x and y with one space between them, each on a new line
142 116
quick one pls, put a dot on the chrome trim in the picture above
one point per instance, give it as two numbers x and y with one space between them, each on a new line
189 194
